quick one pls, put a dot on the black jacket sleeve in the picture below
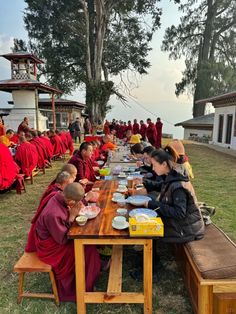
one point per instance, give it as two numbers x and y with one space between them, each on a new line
153 185
177 210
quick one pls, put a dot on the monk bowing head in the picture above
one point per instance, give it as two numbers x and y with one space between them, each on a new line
73 193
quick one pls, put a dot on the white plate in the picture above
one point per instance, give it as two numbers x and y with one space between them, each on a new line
126 225
121 191
121 176
89 212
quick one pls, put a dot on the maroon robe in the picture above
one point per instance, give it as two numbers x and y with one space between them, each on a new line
8 168
151 134
58 146
48 146
143 129
136 129
47 195
54 248
26 157
84 169
42 155
70 143
129 127
159 125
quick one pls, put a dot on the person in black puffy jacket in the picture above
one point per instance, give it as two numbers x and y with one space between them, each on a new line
177 202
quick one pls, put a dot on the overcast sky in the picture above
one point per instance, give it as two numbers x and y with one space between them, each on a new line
154 97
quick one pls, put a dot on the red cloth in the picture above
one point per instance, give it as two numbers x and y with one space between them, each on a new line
136 129
64 140
129 127
58 146
54 248
2 130
84 169
70 143
143 129
26 157
106 128
151 134
8 168
48 146
42 155
23 127
47 195
15 138
159 125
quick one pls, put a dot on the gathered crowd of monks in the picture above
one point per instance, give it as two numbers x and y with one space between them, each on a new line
27 149
150 131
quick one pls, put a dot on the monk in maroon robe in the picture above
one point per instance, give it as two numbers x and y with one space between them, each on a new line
63 178
54 248
143 128
42 159
70 143
159 125
82 161
58 146
47 145
136 128
8 168
151 133
24 126
129 126
26 156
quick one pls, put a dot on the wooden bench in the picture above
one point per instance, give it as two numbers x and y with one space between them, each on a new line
33 174
115 274
30 263
209 271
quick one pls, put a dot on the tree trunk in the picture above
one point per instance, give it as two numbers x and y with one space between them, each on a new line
203 81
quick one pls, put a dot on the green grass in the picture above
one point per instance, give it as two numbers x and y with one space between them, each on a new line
215 178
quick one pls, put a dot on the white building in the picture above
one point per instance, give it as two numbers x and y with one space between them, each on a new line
198 128
224 128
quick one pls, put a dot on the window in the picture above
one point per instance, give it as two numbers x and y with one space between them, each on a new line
220 128
229 128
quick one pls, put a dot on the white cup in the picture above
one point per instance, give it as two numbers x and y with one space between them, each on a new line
119 221
117 196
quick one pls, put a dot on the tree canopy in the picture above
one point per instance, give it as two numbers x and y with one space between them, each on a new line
206 38
88 41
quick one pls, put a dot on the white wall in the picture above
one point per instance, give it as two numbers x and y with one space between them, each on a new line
224 111
24 106
200 133
24 99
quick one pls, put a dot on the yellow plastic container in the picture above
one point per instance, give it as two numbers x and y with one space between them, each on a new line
152 227
104 171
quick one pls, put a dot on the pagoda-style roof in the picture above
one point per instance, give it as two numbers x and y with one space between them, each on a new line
223 100
43 102
202 122
22 55
10 85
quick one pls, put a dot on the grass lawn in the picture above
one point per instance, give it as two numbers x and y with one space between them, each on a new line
215 178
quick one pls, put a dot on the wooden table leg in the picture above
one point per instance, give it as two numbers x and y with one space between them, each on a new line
80 276
147 276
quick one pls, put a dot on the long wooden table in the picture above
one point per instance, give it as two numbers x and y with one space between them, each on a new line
99 231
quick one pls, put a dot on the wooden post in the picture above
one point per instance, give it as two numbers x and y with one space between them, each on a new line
53 113
37 109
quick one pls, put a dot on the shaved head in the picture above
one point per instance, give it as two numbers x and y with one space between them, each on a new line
69 168
63 177
74 191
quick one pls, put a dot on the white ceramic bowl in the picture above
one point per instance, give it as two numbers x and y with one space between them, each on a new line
81 220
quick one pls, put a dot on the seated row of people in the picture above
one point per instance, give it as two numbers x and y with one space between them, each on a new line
58 208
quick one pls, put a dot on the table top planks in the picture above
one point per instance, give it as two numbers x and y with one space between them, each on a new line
101 226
